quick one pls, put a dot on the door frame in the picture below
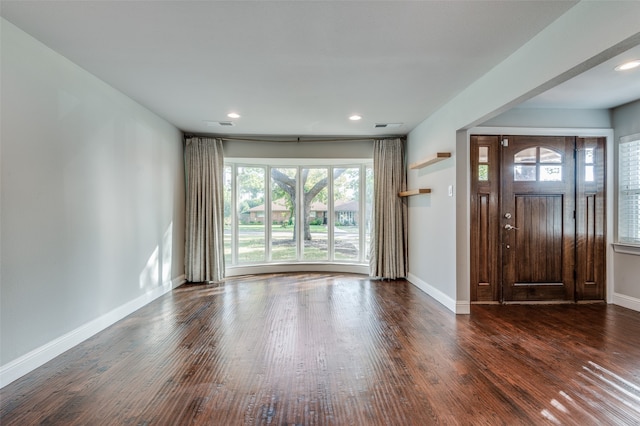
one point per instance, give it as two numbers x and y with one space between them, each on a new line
463 197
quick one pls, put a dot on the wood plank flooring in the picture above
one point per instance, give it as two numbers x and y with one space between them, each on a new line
335 349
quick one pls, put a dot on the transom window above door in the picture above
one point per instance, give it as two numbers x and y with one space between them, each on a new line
537 164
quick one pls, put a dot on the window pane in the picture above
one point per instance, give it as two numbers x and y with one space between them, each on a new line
550 173
346 214
251 214
483 172
525 156
524 173
314 184
550 156
629 191
228 186
368 211
283 214
588 174
483 154
589 155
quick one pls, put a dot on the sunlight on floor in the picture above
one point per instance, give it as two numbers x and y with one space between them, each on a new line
602 388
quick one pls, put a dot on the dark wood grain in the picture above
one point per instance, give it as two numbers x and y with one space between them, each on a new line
590 221
485 260
543 212
330 349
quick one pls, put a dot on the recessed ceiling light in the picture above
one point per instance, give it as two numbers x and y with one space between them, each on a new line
628 65
355 117
233 115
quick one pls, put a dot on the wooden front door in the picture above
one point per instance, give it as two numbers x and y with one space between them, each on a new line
538 227
537 218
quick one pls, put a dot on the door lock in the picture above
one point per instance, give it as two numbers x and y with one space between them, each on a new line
507 215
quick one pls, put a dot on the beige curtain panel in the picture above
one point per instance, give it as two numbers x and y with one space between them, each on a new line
204 245
389 237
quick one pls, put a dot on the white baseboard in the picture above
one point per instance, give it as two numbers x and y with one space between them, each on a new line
45 353
626 301
463 308
177 282
454 306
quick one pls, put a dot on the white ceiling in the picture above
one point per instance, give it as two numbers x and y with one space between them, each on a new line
291 67
601 87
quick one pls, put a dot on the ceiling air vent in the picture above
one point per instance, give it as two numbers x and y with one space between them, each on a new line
387 125
219 123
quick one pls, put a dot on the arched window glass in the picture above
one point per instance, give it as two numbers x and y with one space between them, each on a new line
528 155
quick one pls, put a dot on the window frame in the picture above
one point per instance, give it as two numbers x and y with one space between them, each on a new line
625 244
268 163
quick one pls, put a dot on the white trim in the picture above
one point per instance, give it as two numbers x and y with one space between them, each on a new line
237 271
626 249
440 297
542 131
177 282
626 301
463 308
45 353
630 138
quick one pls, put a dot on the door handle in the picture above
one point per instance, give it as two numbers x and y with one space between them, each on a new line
509 227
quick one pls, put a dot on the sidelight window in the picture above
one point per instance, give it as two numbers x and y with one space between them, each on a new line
483 163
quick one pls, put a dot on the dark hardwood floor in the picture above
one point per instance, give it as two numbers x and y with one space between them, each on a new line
303 349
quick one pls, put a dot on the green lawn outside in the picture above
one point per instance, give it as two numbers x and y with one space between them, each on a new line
251 244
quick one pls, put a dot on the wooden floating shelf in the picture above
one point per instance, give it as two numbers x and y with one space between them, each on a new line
414 192
430 160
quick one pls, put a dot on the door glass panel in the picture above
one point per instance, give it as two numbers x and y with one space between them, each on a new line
346 214
526 156
483 154
589 173
314 232
589 169
550 156
588 155
283 214
524 173
483 172
550 173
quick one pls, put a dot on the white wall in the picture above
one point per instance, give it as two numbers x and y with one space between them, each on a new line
626 266
307 150
92 204
552 118
439 225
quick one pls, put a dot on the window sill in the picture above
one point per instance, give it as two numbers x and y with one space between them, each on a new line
626 249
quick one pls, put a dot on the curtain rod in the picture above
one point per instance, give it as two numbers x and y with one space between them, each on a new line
297 140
